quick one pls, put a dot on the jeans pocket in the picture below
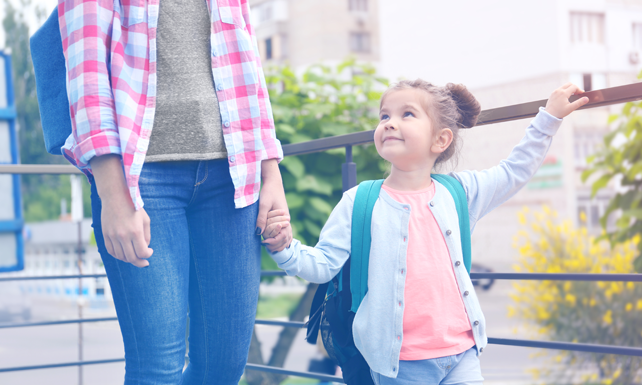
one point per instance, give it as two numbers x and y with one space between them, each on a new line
230 12
374 377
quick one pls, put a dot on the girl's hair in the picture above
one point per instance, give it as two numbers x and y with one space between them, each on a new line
452 106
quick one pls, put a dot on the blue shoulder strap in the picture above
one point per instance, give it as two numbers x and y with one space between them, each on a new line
459 195
364 201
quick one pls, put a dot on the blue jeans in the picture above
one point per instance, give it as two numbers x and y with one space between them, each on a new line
207 259
460 369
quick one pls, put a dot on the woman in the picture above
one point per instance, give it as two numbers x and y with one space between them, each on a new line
170 110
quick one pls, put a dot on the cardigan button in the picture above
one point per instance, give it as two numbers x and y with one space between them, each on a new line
432 204
476 323
457 263
466 294
481 350
448 232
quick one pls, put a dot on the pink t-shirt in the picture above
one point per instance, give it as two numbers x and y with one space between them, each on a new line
435 323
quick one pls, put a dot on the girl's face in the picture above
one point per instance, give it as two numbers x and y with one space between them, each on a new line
405 134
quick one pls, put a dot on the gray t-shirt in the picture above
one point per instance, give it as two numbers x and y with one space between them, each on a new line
187 122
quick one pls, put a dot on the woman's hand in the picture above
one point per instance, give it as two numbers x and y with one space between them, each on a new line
558 104
126 231
273 198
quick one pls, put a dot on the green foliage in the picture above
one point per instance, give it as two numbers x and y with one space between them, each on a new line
621 159
320 102
41 194
603 313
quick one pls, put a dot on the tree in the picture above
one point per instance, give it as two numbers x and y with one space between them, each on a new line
41 193
320 102
605 313
620 159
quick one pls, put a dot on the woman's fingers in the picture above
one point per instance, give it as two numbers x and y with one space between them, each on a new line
130 254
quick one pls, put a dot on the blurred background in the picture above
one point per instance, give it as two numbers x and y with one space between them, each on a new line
327 62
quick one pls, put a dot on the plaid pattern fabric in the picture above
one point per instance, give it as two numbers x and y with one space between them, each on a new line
110 51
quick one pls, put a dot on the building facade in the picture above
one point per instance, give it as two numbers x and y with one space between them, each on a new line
506 52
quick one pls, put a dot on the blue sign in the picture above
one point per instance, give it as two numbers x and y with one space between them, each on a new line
11 221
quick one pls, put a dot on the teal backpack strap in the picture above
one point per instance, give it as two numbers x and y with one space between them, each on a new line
459 195
364 201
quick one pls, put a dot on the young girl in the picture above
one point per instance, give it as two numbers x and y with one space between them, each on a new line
420 321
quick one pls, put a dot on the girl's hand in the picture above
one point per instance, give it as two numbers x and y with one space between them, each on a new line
272 198
126 231
558 104
276 221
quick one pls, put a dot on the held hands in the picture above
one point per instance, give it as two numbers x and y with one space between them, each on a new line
277 233
558 104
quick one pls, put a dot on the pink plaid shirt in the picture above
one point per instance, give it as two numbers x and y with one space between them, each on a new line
110 51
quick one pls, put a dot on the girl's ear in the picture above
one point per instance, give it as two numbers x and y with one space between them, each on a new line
443 139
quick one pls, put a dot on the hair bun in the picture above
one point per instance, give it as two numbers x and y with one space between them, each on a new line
469 108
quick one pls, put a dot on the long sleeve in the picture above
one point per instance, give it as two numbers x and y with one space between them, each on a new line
490 188
271 144
85 29
321 263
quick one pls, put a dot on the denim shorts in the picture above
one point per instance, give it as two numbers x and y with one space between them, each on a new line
460 369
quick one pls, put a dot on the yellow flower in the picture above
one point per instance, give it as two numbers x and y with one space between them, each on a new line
608 317
583 216
570 298
630 285
638 306
629 307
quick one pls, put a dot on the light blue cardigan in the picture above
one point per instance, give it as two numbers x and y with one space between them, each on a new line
378 324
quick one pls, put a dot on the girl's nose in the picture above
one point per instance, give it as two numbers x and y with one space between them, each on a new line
390 126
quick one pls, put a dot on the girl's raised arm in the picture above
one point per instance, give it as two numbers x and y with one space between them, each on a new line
490 188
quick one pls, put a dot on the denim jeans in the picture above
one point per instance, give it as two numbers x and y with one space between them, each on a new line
460 369
207 259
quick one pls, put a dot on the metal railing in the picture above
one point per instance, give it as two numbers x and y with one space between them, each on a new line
597 98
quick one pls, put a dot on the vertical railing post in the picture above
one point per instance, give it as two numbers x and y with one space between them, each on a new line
349 171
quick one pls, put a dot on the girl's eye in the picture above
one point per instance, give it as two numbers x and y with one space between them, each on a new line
408 114
384 117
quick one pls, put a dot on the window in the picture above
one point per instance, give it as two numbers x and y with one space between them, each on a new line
358 5
637 36
359 42
585 145
589 82
268 48
587 28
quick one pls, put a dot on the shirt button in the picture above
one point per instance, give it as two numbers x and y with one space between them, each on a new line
219 87
398 338
448 232
457 263
226 124
399 303
232 159
465 294
432 204
476 323
401 271
481 350
394 369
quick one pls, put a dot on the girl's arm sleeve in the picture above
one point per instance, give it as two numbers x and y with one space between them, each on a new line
85 30
487 189
271 144
321 263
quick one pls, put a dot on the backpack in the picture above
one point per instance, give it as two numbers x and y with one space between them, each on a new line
334 306
51 84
